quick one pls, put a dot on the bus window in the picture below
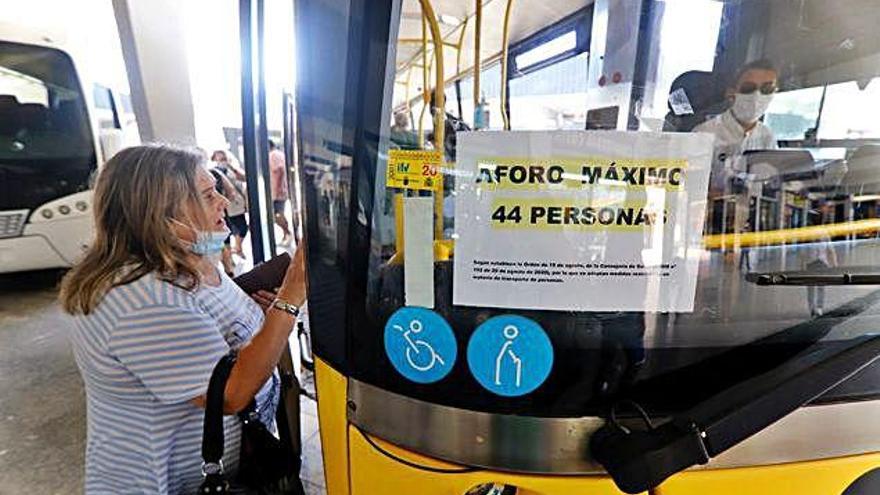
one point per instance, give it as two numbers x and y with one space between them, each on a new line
466 90
425 118
793 113
490 88
843 115
125 100
103 97
554 97
452 100
105 109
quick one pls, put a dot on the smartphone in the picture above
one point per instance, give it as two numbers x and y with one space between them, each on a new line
265 276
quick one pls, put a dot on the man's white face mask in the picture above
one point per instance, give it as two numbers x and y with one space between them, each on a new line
748 108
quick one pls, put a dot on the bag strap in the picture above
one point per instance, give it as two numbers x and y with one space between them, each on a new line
212 435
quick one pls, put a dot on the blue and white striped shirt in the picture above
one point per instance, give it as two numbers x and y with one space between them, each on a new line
144 353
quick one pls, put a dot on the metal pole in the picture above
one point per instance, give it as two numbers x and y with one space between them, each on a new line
259 243
439 106
425 99
504 46
460 44
263 129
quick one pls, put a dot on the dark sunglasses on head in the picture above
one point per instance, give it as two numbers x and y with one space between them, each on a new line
748 88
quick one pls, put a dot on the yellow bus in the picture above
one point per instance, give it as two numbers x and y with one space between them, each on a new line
502 338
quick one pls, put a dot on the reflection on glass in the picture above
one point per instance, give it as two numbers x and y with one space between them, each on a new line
690 30
547 50
843 116
793 113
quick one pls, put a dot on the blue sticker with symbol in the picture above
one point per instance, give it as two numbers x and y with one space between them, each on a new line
510 355
420 344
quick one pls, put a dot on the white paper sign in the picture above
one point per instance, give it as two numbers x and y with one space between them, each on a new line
580 220
418 248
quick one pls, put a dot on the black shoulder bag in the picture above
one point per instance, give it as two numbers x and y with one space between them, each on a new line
266 465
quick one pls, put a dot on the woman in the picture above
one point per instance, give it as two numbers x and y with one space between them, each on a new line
231 186
153 315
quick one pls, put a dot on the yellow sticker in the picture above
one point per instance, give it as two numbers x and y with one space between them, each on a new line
415 169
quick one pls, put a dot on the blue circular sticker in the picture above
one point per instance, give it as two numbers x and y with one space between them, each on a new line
510 355
420 344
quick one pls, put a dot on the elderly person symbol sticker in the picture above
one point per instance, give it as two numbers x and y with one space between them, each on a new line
510 355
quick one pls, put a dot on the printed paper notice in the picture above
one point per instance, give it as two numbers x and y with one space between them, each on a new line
580 220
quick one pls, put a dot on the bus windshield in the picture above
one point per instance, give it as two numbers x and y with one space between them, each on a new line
46 146
42 110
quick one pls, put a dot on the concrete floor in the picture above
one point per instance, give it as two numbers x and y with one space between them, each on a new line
42 404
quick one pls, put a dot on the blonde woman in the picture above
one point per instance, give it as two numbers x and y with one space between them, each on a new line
152 316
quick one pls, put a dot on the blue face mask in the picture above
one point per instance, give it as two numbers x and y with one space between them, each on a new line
209 242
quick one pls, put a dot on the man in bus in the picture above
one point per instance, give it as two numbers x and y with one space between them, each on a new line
737 130
740 129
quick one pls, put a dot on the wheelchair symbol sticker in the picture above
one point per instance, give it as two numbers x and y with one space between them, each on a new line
420 344
510 355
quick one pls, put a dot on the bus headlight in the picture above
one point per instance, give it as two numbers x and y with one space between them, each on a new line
65 208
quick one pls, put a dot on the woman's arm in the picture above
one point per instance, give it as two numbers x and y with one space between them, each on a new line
258 359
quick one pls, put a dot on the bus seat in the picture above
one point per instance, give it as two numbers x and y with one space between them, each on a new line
67 116
33 117
9 115
863 166
694 97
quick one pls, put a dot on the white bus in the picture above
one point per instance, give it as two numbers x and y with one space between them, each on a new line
56 127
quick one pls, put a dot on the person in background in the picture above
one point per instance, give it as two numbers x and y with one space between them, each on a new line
401 134
220 158
817 256
750 94
234 190
278 173
151 315
224 188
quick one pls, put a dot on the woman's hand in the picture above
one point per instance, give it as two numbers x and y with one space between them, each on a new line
293 289
264 298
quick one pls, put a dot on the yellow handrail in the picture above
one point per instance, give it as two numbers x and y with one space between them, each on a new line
784 236
425 99
460 44
439 106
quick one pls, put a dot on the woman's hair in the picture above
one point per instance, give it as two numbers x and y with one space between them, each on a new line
137 193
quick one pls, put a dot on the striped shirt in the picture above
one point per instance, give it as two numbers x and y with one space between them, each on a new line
144 353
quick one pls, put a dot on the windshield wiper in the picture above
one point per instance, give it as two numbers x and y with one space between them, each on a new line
639 460
829 277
